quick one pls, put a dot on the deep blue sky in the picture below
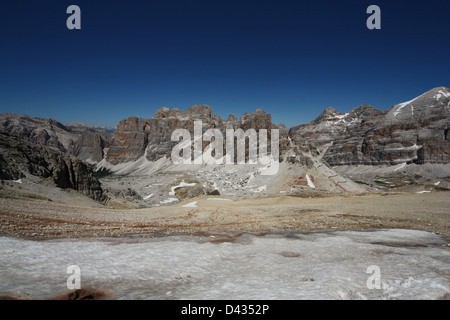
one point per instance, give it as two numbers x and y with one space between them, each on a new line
291 58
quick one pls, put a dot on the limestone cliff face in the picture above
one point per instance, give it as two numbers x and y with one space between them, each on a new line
414 131
19 157
135 137
128 142
89 147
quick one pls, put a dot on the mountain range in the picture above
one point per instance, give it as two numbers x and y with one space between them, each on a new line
413 132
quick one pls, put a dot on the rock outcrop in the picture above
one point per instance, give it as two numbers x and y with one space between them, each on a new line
136 137
47 132
411 132
19 158
83 141
89 147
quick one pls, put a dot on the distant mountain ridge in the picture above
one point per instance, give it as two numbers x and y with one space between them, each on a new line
415 131
84 141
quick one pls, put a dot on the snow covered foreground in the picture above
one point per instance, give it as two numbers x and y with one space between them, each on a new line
289 265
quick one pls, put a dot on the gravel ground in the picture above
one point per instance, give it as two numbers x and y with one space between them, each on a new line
40 218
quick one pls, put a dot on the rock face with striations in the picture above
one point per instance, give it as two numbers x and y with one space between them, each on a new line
89 147
413 132
136 137
83 141
19 157
47 132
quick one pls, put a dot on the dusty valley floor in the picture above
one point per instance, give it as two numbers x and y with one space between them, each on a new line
38 218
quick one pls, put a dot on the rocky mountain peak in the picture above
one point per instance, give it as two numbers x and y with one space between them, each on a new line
438 93
53 123
258 119
431 102
195 112
232 118
328 114
200 111
364 111
410 132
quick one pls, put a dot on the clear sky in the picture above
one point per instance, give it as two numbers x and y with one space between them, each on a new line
291 58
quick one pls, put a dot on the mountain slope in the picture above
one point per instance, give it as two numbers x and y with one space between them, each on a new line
411 132
18 158
83 141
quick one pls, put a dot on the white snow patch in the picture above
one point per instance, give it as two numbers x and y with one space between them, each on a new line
18 181
148 197
437 183
425 191
402 105
181 267
341 116
400 166
182 184
170 200
445 94
90 161
413 147
191 205
310 183
218 199
260 189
